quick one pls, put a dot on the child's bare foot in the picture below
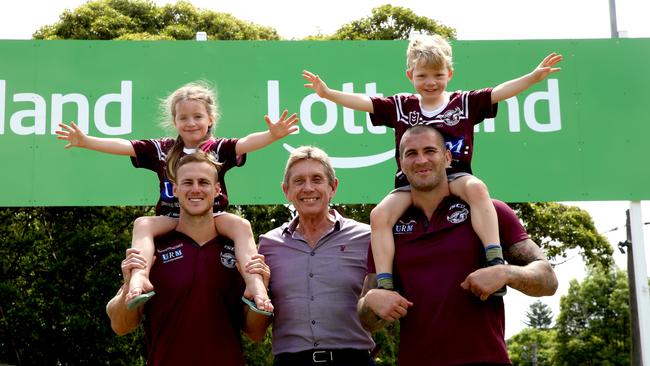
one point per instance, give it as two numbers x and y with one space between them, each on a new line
259 296
138 285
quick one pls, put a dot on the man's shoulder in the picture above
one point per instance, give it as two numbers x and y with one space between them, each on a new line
273 234
353 224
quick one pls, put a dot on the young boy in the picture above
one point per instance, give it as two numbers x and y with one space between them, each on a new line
429 68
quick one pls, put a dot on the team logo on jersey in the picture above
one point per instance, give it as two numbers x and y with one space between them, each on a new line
451 117
171 254
404 227
457 213
414 118
228 259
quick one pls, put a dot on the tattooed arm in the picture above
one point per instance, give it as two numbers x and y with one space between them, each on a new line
377 306
527 271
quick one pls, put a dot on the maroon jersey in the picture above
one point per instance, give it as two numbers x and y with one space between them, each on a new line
152 155
197 313
448 325
455 119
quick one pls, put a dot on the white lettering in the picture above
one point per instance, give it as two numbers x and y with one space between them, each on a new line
371 91
273 99
305 115
553 98
58 100
348 114
38 113
331 112
124 100
273 102
514 121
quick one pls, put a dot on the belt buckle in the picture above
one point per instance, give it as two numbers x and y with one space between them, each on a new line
315 356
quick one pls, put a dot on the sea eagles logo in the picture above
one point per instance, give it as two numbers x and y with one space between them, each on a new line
458 213
228 260
414 118
402 227
451 117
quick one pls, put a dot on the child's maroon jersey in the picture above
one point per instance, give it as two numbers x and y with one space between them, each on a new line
152 155
455 119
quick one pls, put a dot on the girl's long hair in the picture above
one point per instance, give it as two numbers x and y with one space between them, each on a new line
199 91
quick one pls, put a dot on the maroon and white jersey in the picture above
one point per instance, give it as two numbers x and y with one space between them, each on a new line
448 325
196 316
455 119
152 155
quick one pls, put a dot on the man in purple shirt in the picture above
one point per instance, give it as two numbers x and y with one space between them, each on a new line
446 314
318 263
198 302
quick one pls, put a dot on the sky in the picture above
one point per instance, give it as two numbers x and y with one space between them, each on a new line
485 20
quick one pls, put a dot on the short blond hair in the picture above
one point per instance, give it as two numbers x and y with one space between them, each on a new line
430 50
199 156
310 153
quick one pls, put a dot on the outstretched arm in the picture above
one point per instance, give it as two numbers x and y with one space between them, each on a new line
276 131
359 102
77 138
527 271
513 87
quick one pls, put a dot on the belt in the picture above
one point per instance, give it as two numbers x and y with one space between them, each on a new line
323 357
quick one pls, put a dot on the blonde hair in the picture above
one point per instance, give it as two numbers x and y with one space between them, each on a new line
310 153
199 91
430 50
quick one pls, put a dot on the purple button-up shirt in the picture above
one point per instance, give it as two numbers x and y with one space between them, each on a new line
315 290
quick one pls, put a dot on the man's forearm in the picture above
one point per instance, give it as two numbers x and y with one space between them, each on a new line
369 320
534 279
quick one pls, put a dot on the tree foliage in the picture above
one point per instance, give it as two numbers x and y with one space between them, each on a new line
391 22
142 19
59 267
539 316
593 327
558 229
532 347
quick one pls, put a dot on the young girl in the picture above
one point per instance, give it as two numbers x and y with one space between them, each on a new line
193 112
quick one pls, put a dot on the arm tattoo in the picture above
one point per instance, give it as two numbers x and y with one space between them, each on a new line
528 269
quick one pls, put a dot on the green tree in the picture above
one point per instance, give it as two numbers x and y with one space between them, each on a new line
558 229
59 266
539 316
593 327
142 19
532 346
391 22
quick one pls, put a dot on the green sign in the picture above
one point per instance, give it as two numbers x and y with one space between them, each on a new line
570 137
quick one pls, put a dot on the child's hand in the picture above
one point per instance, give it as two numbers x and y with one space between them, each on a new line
284 126
315 83
546 67
72 134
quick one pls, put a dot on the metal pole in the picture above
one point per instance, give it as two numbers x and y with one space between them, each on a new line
635 352
612 18
642 292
